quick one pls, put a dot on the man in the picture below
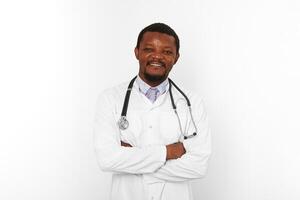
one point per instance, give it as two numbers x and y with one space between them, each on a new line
149 156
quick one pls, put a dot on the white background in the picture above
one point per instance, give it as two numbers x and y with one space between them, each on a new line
56 56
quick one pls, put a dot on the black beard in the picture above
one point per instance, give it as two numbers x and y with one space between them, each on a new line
154 78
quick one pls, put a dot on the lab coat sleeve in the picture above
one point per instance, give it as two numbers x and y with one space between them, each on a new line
193 164
111 156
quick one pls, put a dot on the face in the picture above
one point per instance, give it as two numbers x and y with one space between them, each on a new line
156 55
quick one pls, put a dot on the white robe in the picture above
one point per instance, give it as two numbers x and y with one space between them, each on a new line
141 172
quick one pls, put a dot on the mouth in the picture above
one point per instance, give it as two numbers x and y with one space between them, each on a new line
156 64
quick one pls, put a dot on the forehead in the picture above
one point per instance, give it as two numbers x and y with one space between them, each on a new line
158 38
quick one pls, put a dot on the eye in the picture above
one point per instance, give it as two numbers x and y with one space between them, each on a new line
168 52
147 49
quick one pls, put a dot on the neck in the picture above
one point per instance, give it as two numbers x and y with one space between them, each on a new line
152 83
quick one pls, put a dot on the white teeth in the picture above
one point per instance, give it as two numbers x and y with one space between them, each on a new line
155 64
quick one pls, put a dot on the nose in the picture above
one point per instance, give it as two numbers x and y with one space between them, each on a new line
156 55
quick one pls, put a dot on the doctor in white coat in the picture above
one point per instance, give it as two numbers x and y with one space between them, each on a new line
156 154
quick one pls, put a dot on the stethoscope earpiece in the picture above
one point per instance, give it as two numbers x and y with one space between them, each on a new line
193 135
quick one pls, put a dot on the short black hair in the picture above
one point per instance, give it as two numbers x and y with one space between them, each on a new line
160 28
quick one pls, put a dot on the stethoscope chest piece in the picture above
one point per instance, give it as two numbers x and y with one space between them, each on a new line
123 123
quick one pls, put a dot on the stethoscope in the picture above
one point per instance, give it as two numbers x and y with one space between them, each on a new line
124 124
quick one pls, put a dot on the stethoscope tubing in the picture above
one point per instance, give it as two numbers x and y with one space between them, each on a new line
175 109
124 124
127 96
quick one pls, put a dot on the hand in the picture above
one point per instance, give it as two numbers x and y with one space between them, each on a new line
124 144
175 150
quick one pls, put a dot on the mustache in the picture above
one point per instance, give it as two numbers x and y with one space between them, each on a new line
160 62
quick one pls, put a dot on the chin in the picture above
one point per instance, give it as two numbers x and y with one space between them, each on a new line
155 77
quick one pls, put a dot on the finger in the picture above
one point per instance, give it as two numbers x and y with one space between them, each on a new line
124 144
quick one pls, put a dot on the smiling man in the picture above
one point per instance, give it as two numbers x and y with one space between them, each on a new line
156 53
151 135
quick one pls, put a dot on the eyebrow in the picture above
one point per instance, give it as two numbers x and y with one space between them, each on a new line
149 44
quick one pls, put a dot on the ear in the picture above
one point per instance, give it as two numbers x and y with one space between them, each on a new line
176 58
136 52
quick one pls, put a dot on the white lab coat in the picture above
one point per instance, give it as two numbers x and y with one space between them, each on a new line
141 172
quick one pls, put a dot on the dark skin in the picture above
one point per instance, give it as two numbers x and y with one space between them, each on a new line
157 55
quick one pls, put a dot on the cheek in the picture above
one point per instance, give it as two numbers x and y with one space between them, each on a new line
143 62
143 59
171 61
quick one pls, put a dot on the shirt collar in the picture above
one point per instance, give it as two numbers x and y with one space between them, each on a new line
144 87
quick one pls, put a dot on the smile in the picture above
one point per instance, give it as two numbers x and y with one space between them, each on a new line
156 64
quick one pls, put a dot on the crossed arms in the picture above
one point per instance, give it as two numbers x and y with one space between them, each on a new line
174 151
